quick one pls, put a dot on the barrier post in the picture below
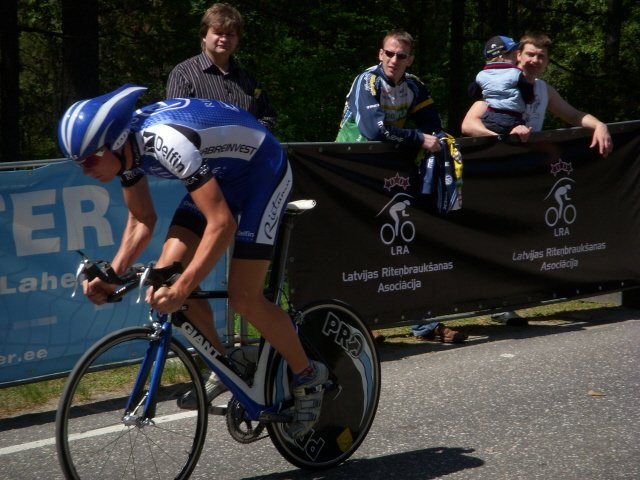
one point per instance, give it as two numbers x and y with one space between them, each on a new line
631 298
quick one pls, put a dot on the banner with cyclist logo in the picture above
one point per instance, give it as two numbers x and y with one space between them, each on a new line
46 215
543 220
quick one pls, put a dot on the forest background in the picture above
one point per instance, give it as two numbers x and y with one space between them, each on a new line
305 55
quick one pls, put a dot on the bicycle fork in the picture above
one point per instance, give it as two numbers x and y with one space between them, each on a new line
141 407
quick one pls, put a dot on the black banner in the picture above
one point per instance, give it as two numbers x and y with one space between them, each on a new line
542 220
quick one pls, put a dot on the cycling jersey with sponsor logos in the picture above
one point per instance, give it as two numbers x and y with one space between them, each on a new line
376 108
194 140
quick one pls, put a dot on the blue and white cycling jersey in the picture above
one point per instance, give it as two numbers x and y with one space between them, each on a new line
376 108
194 140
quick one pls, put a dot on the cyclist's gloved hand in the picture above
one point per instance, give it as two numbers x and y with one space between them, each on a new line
166 299
97 290
160 295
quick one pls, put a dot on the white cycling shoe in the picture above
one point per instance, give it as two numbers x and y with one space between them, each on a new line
308 402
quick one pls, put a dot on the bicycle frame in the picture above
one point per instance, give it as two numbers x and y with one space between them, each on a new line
252 397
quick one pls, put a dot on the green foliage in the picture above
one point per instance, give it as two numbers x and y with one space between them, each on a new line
40 52
306 54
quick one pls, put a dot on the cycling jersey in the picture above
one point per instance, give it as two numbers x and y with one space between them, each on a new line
377 109
194 140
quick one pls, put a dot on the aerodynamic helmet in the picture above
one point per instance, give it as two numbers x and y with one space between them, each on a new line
89 125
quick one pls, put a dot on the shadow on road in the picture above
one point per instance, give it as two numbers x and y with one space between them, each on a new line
27 420
415 465
561 322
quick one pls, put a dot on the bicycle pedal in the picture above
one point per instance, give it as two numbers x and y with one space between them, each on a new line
218 410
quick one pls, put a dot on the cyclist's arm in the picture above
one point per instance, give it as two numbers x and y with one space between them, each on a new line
136 236
140 224
217 236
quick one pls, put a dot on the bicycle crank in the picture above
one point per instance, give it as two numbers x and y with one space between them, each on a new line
240 428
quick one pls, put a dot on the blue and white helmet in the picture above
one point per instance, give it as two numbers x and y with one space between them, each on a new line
89 125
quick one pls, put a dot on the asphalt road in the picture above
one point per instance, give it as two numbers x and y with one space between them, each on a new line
549 401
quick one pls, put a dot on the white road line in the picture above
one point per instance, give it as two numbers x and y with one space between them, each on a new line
91 433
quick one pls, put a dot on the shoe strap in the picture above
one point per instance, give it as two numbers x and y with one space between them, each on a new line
302 391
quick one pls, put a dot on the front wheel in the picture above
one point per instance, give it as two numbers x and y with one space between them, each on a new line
94 438
332 333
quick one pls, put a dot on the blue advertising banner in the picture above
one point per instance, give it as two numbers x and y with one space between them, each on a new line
46 215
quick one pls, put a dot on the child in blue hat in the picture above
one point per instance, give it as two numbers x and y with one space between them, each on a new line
502 86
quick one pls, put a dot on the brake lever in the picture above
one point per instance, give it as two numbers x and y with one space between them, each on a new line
79 272
143 279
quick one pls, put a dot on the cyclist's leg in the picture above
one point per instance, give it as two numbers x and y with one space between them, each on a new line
246 281
246 297
260 201
181 242
179 246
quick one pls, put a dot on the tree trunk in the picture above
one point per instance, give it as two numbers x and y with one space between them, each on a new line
9 84
457 82
498 17
614 25
79 50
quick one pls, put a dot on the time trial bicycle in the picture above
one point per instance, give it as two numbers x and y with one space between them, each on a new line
118 415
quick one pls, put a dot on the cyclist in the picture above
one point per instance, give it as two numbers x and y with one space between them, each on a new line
562 194
238 181
396 210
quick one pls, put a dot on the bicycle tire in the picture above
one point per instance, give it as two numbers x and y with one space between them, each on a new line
334 334
92 407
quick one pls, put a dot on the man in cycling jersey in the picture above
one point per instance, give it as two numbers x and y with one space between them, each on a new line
384 97
238 182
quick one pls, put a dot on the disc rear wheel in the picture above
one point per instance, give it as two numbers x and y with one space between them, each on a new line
332 333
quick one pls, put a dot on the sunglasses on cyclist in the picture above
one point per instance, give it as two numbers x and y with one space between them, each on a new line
400 55
91 160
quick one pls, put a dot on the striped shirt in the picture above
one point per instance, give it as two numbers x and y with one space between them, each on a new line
198 77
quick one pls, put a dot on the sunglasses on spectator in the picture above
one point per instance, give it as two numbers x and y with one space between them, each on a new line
400 55
91 160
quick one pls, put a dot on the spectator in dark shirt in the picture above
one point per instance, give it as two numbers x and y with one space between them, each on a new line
215 73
